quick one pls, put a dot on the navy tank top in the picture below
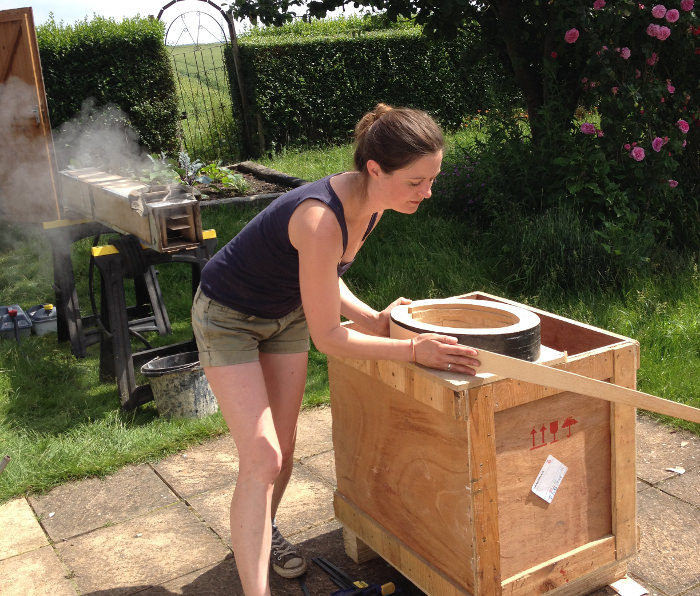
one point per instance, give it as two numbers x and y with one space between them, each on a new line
257 272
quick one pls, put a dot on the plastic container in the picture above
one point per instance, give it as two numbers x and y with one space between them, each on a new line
180 388
43 318
7 322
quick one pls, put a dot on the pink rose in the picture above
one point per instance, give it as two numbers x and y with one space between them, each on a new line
571 36
625 53
599 133
653 59
652 30
658 11
615 90
670 88
683 125
672 15
657 143
663 33
687 5
627 146
587 128
598 4
637 154
673 183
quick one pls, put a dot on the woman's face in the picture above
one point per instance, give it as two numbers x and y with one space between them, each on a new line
404 190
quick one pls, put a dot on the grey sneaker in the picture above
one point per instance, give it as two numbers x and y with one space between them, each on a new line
286 559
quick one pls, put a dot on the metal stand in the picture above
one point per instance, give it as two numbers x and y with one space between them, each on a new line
117 320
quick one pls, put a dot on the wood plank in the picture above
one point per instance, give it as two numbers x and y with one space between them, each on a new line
559 571
27 160
624 457
510 393
357 549
484 492
11 32
561 379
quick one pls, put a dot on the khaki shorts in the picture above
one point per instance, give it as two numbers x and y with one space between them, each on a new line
225 336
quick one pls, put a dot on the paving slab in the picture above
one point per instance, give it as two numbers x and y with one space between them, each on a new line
685 487
35 573
131 534
314 435
323 465
214 580
669 543
78 507
307 502
20 530
660 447
206 467
141 552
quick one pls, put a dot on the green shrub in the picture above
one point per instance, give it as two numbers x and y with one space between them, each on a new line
112 64
311 82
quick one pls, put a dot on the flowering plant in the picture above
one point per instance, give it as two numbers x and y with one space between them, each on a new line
641 76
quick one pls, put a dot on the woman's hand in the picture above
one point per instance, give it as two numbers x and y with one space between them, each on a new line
383 320
444 353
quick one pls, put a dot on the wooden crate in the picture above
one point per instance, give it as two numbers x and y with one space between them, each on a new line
434 471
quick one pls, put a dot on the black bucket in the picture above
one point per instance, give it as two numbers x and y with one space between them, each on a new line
180 388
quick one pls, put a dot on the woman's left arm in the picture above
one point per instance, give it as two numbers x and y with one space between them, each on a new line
376 322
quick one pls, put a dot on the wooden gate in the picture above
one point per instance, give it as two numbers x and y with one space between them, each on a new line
27 162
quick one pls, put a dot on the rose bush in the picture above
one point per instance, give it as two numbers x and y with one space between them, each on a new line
641 77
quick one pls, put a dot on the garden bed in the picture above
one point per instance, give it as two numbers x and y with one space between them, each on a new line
264 184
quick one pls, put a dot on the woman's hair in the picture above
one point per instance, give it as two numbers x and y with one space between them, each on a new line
395 137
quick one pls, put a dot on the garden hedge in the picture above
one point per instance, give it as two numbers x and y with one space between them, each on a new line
305 88
122 64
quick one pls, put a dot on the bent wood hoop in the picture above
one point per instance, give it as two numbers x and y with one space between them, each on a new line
480 324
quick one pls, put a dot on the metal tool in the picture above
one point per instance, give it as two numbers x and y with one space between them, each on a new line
350 587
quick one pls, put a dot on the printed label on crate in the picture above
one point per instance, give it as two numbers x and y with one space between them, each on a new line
549 479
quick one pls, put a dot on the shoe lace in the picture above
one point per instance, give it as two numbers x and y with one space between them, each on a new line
281 546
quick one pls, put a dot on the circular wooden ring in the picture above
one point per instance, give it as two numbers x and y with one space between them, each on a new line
484 324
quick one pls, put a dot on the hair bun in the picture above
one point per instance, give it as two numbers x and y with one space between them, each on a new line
371 117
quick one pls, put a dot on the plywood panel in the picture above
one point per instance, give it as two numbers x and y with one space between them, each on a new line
418 490
28 190
575 430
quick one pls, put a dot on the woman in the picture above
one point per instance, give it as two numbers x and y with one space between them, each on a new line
280 279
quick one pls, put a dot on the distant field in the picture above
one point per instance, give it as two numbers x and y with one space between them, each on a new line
203 88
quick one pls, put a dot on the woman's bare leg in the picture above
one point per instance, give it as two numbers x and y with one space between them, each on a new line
285 379
255 420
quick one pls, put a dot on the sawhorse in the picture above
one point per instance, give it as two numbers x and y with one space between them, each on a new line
116 357
117 320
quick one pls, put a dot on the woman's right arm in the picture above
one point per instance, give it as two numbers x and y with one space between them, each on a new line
315 233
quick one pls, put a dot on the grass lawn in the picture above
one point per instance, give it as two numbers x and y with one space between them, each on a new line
59 422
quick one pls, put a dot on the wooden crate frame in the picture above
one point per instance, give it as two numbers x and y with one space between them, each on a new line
434 470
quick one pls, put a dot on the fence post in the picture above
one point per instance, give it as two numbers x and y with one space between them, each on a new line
253 140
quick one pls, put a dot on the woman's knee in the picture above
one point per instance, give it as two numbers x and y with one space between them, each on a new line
264 461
